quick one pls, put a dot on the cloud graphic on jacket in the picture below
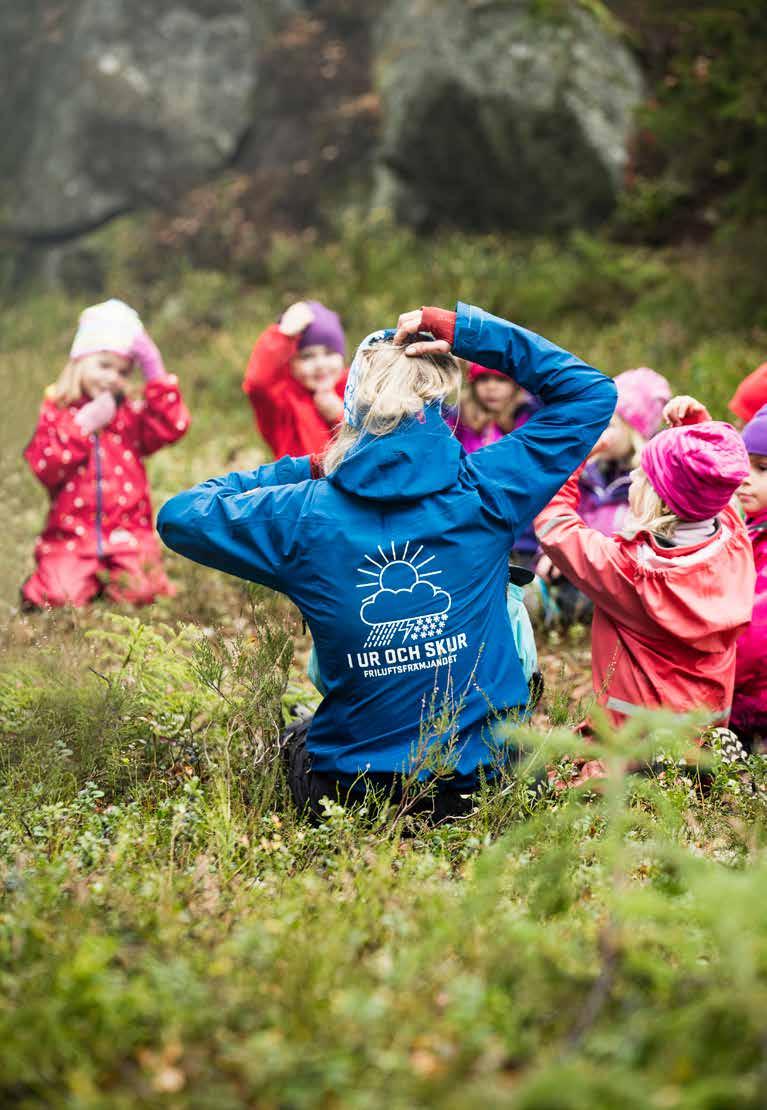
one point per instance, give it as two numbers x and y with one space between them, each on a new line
421 600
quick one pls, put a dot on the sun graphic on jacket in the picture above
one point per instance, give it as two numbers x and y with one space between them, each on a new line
400 594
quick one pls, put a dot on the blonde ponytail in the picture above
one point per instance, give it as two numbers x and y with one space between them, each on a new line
649 513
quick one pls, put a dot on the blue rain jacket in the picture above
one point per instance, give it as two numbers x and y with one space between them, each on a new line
398 560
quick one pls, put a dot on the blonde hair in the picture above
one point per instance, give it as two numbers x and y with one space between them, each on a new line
68 387
392 386
649 513
637 441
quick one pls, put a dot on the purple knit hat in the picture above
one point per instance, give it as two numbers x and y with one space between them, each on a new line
755 433
696 469
325 330
642 394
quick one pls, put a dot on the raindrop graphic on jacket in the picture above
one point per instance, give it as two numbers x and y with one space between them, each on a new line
402 600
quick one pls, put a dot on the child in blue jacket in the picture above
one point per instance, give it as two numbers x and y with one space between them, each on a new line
398 555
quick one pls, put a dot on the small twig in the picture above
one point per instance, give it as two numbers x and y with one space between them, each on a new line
600 990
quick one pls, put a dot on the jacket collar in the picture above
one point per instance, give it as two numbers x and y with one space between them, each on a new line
757 524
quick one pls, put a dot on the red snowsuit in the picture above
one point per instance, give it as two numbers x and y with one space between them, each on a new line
666 620
100 521
749 707
285 412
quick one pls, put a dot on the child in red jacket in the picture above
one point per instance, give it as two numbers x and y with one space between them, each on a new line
87 451
295 380
750 395
673 592
749 706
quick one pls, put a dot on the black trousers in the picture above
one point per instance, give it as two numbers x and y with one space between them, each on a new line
308 786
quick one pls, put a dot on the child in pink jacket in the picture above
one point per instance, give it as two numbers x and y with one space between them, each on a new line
606 478
88 451
749 707
675 589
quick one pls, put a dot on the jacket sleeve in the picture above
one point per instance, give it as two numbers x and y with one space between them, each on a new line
247 523
164 417
590 560
751 394
57 447
519 474
749 664
266 367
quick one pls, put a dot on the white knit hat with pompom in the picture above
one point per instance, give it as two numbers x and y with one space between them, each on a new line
110 326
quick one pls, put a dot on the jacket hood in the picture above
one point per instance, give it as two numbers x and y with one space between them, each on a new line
418 458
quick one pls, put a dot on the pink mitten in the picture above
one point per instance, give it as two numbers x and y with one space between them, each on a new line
97 413
146 353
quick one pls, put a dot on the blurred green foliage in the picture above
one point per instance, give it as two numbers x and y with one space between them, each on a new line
702 153
171 934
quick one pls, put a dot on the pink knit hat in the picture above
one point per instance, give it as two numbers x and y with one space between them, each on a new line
476 371
696 469
642 394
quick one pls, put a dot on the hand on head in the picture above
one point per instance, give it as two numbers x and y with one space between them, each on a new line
408 325
296 319
684 410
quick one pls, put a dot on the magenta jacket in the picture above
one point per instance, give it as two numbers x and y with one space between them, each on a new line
604 497
491 433
749 707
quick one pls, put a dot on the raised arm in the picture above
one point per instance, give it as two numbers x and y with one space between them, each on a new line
589 560
162 416
266 367
244 523
750 395
273 351
519 474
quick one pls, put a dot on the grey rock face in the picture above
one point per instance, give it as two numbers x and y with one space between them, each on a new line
136 101
494 116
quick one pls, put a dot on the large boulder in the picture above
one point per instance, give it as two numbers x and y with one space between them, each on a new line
495 114
135 100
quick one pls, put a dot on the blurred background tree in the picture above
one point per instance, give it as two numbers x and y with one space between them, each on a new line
701 151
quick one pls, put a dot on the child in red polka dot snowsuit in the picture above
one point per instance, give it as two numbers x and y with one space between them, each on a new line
87 451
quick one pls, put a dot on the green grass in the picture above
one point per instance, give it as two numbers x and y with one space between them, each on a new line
171 934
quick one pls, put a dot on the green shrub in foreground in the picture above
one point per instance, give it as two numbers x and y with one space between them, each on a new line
176 938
